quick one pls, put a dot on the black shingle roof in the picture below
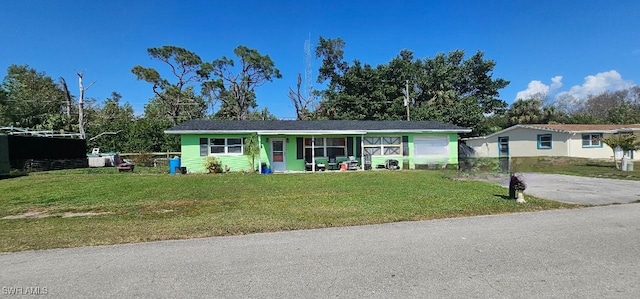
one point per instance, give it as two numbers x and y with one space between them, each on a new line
311 125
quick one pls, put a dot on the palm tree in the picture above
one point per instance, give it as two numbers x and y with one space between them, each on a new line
525 112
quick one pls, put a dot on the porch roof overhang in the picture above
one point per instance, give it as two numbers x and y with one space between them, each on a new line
567 129
311 132
312 127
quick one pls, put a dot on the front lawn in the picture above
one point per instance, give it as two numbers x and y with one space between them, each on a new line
138 207
574 166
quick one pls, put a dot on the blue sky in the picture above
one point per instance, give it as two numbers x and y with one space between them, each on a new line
559 47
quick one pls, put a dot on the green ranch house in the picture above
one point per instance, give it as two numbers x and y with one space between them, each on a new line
290 146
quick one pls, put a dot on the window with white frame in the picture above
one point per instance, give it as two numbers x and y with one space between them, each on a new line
326 147
221 146
592 140
382 146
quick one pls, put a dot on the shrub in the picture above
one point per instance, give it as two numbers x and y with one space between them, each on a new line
14 173
481 164
252 149
142 159
213 165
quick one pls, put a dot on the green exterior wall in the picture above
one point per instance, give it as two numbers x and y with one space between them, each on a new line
191 159
452 159
4 155
195 163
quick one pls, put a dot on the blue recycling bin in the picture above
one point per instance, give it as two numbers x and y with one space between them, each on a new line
173 164
264 169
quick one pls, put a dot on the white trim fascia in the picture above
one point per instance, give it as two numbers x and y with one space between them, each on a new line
494 134
473 138
582 131
308 132
594 131
544 129
209 132
550 130
613 131
420 131
513 128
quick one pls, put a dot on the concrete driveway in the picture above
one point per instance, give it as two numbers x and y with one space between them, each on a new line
580 190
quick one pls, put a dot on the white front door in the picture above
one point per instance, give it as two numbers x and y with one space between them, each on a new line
278 161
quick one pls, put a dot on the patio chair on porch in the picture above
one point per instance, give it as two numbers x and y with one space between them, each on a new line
367 162
332 163
308 165
352 163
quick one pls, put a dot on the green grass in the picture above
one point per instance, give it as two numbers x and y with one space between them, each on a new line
574 166
147 206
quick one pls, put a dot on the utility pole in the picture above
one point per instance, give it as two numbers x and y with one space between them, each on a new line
81 104
406 98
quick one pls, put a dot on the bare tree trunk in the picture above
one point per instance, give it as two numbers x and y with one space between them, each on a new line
81 106
67 96
302 104
81 121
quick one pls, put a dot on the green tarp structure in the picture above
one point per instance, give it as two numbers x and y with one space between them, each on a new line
4 155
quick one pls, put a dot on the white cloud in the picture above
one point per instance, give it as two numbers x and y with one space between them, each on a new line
597 84
556 82
537 88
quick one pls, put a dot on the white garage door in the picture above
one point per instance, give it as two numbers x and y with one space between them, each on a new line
431 149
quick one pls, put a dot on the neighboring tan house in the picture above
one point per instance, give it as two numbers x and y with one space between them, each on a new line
287 145
534 140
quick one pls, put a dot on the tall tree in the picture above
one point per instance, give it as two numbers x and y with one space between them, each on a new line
147 135
235 88
527 111
111 125
31 99
602 105
333 65
618 107
361 91
444 88
188 69
304 105
81 121
264 114
449 78
69 101
491 124
195 108
3 106
534 111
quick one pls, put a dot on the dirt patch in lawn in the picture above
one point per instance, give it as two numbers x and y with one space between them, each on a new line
84 214
498 178
39 213
42 213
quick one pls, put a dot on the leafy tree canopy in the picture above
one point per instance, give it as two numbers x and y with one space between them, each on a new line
30 99
177 99
447 87
234 85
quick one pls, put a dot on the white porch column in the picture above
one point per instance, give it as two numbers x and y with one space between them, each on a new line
313 154
260 153
362 152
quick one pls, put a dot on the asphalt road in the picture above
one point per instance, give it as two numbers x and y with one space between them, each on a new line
580 253
581 190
